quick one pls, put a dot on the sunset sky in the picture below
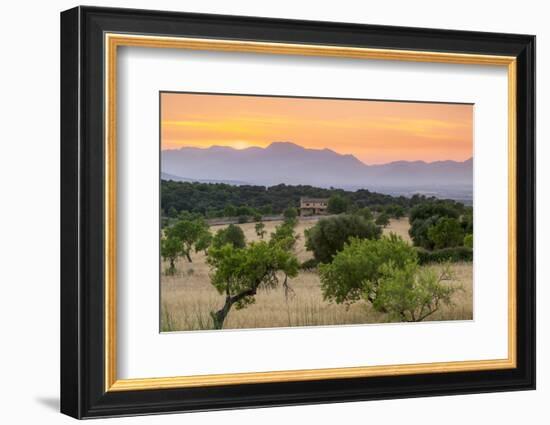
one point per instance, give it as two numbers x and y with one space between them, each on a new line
375 132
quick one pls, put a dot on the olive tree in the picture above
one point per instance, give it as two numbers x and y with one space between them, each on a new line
170 250
238 273
188 232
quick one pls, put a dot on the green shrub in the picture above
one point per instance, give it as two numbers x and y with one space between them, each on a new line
446 233
455 254
232 235
410 293
419 231
290 213
386 273
344 280
426 215
242 219
329 235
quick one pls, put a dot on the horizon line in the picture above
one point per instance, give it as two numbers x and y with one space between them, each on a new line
204 148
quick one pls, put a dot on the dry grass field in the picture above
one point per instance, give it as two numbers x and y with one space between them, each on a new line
187 298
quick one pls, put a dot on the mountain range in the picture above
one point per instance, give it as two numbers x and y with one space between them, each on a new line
289 163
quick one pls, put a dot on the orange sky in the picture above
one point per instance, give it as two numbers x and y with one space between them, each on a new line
375 132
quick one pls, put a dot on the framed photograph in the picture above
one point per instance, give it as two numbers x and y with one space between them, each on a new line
261 212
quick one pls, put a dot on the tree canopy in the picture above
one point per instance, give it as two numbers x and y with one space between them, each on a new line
232 235
239 273
188 232
424 216
359 264
170 249
329 235
385 273
222 200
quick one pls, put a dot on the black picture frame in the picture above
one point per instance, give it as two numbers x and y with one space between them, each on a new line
83 392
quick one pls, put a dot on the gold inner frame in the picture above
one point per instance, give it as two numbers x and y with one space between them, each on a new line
113 41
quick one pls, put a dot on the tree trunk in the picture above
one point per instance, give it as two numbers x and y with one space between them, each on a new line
219 316
188 256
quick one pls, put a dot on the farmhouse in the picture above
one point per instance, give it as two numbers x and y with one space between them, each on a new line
313 206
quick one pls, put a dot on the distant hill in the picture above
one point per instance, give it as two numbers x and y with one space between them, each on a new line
288 163
166 176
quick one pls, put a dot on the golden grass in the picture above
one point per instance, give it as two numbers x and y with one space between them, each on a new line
399 227
187 298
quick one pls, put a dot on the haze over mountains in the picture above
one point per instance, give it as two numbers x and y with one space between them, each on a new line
285 162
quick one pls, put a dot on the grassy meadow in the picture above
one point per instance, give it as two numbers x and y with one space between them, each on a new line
187 297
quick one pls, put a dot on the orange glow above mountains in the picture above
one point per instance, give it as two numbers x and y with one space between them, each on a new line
375 132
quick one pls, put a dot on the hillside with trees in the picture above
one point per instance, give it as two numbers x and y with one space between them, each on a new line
223 200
